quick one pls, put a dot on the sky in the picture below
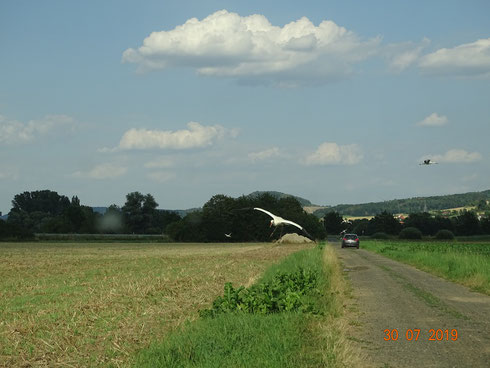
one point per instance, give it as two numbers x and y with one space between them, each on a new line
332 101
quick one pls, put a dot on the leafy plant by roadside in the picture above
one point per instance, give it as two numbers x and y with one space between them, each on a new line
285 292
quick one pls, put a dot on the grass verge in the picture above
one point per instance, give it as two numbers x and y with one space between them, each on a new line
464 263
285 339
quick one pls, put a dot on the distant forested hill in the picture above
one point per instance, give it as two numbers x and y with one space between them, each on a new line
409 205
304 202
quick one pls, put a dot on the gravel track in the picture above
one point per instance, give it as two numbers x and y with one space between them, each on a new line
388 295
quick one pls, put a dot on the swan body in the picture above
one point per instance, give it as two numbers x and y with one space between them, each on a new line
279 221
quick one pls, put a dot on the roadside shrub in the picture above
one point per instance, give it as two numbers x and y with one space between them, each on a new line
410 233
444 235
284 292
380 235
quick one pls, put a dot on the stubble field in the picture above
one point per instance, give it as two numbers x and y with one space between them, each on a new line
96 304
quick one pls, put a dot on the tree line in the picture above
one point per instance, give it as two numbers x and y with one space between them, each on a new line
47 211
226 215
467 223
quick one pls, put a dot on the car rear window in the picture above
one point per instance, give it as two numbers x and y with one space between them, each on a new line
351 236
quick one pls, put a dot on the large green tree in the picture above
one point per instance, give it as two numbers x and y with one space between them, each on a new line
46 211
467 223
33 211
46 201
333 223
140 213
384 222
223 215
217 217
485 225
422 221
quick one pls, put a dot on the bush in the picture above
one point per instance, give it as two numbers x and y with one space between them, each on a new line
410 233
380 235
444 235
283 293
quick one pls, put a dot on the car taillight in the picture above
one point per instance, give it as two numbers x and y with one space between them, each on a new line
357 239
344 239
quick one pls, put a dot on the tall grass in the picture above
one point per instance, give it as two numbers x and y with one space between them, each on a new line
465 263
237 340
286 339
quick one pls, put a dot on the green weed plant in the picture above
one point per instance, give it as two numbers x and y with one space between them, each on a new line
285 292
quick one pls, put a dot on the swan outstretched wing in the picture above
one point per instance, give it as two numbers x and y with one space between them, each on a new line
292 223
265 211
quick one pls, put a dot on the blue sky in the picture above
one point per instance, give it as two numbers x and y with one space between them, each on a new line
334 101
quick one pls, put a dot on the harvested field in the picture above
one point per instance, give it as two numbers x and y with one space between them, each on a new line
83 304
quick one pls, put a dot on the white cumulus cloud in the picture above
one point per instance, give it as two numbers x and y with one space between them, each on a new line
470 59
13 131
229 45
102 171
402 55
265 154
457 156
433 120
196 136
330 153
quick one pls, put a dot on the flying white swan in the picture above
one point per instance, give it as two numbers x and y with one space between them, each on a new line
279 221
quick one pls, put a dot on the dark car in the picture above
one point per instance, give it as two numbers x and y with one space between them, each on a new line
350 240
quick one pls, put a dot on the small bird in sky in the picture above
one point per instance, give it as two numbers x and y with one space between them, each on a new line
428 162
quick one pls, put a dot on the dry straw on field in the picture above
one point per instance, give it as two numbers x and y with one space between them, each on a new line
294 238
79 305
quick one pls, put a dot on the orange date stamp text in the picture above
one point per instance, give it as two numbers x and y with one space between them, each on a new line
414 334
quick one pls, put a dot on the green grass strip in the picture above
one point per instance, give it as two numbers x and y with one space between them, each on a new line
245 339
465 263
231 340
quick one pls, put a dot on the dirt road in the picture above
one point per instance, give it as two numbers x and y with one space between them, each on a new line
388 296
